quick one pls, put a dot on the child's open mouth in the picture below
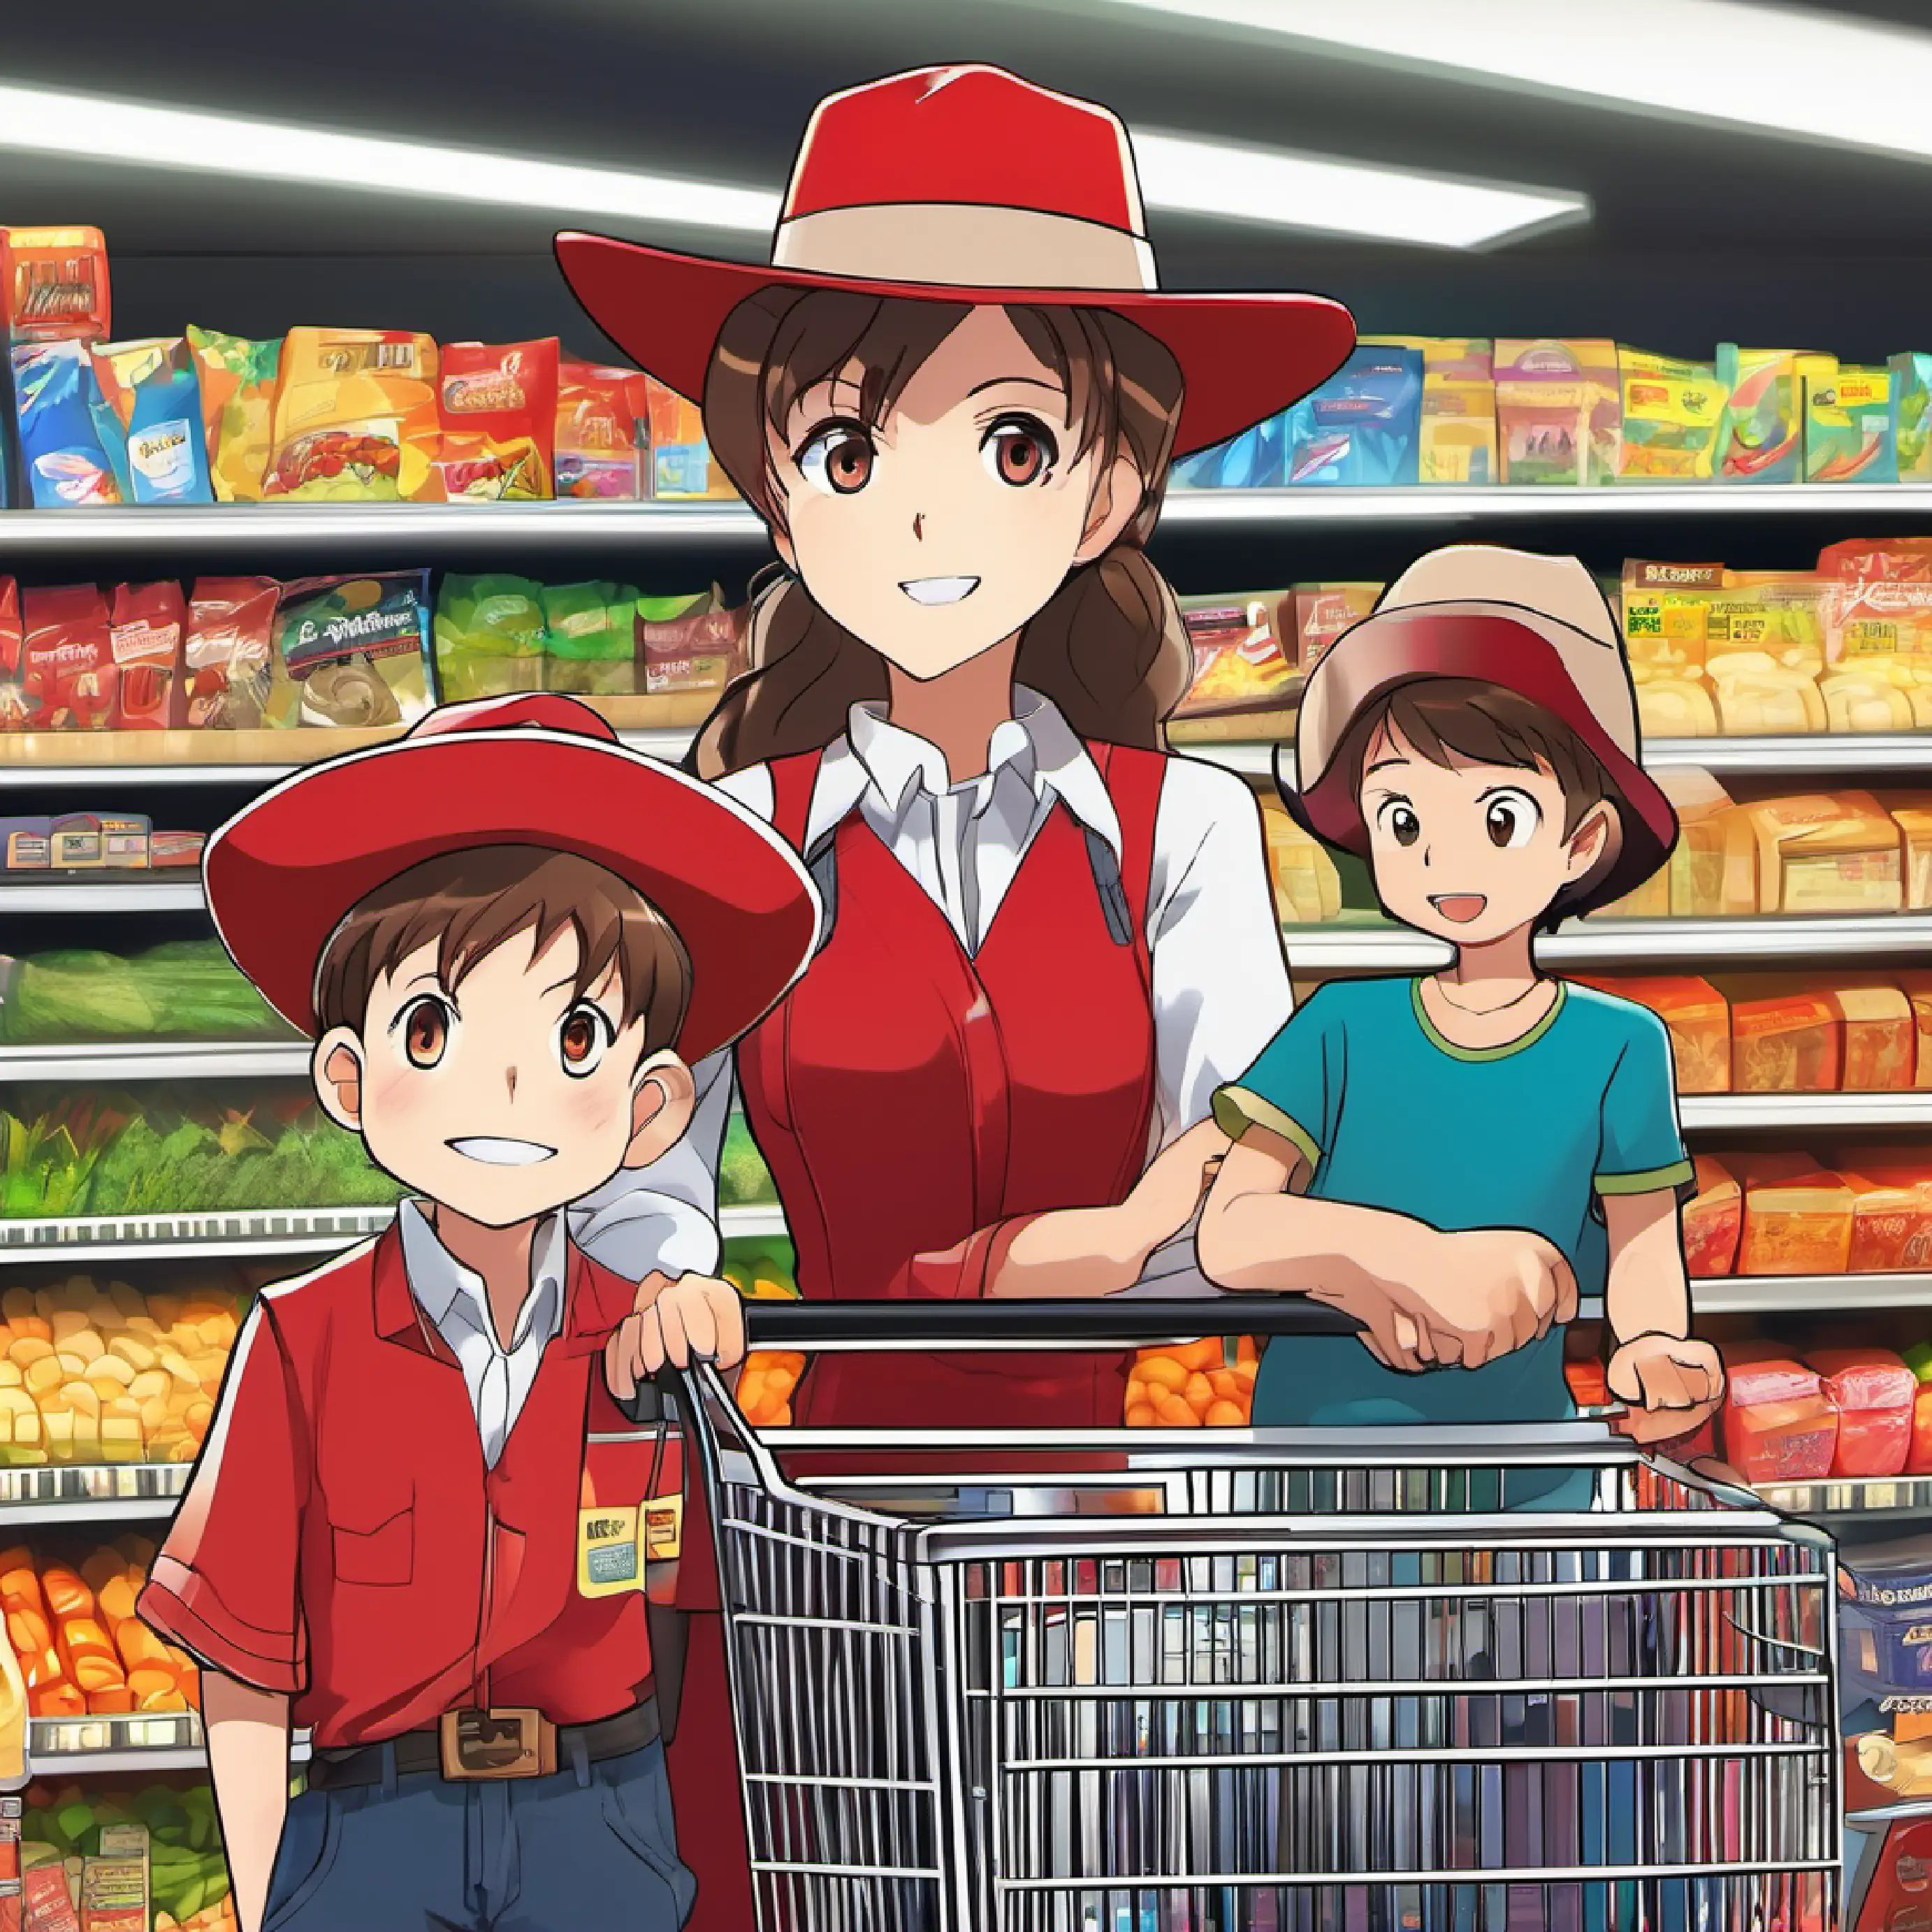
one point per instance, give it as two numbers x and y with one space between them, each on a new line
503 1153
1460 907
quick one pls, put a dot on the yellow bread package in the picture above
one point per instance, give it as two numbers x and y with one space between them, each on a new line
1880 1032
1698 1018
1787 1037
1458 439
1692 883
1798 1217
1912 811
356 417
1916 983
1822 852
1764 648
1307 888
1663 608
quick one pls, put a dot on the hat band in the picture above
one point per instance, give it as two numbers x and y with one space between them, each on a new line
962 244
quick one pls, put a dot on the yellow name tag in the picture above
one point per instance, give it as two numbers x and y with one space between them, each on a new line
664 1529
608 1558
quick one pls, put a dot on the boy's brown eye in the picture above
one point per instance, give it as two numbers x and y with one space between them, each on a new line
582 1035
1403 823
579 1039
425 1031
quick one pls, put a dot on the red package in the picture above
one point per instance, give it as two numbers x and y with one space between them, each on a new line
146 637
1878 560
53 284
231 625
67 660
1714 1220
1779 1424
499 410
1899 1898
603 431
13 708
1589 1386
1919 1453
1873 1392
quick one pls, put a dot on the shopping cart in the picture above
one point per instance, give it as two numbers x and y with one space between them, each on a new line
1183 1681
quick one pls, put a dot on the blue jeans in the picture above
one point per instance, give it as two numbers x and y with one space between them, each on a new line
591 1846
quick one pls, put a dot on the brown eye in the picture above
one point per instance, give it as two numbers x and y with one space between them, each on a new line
425 1029
582 1035
837 460
1019 450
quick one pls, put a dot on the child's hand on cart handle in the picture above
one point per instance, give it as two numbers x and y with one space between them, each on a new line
1673 1386
696 1318
1486 1292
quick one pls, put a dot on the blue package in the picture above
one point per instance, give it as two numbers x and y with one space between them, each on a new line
1363 426
167 445
54 391
1252 460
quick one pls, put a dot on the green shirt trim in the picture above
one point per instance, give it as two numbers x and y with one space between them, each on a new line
1521 1043
1236 1110
1650 1181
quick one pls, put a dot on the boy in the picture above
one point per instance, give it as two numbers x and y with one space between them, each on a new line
507 936
1453 1159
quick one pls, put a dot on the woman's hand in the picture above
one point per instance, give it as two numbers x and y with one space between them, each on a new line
696 1318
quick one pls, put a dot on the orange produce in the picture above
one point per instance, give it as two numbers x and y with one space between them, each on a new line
1193 1384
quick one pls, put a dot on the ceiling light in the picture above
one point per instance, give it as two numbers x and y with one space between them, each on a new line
1296 191
1716 61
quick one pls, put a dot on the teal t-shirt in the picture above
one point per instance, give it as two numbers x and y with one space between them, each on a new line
1390 1115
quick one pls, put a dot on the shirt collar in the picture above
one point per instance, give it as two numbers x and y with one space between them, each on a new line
438 1281
1037 745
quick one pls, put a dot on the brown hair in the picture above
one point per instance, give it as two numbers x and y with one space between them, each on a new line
470 903
1465 717
1108 648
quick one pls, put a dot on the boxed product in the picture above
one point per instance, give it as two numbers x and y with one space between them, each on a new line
1787 1036
114 1882
1697 867
1307 888
1872 1391
1880 1034
690 644
603 431
682 463
1887 1621
1663 613
1916 983
1557 410
1362 426
1878 632
1672 414
1779 1426
151 386
1323 611
1242 648
145 635
1911 399
57 402
175 848
490 636
590 641
239 380
498 408
54 284
231 629
67 659
26 844
1255 459
1891 1215
1763 439
351 651
1818 853
1458 439
1698 1018
1713 1220
356 417
1798 1217
1851 431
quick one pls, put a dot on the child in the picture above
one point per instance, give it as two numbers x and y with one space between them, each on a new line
1454 1159
507 936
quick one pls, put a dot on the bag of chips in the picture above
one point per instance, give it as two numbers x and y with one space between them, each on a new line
151 389
352 651
489 637
589 638
1244 653
238 379
145 634
499 407
355 418
68 463
231 625
66 660
603 431
13 685
690 643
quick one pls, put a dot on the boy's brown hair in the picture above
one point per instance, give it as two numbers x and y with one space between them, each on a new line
470 903
1465 717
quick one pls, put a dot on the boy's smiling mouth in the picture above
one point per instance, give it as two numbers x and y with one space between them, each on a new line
498 1152
939 589
1460 907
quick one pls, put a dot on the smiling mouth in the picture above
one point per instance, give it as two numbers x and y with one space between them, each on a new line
496 1153
939 589
1460 907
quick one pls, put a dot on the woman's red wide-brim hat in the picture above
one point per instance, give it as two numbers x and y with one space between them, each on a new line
537 769
967 183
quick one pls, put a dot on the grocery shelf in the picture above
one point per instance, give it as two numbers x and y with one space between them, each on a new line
762 1222
136 1059
1887 1814
1851 1496
117 1492
171 1741
1808 1294
1449 503
136 895
1709 1112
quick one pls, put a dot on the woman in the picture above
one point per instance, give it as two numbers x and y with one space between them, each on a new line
953 398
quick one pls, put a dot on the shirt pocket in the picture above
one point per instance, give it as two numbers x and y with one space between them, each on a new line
373 1539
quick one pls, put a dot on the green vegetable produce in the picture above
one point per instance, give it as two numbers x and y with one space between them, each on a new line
187 989
742 1175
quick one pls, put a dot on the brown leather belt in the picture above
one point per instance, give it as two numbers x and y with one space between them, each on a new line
473 1745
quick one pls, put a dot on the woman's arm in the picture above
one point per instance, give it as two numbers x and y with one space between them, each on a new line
1676 1381
248 1732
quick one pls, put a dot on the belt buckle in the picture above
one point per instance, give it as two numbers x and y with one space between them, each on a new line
477 1744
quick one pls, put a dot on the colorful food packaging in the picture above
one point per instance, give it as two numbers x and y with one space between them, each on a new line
1880 1034
1323 611
1557 410
1458 439
686 645
1891 1216
1763 439
169 849
1851 430
1787 1037
1362 425
681 464
66 660
167 445
1242 653
1307 887
1872 1391
498 411
145 633
1820 853
238 379
1697 870
1798 1216
490 636
231 625
1916 983
114 1882
603 431
590 638
54 393
352 651
1255 459
356 417
1698 1018
1672 414
1911 399
1664 609
55 284
1714 1219
13 707
1779 1426
26 844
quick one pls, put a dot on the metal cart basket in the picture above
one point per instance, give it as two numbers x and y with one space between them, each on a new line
1181 1681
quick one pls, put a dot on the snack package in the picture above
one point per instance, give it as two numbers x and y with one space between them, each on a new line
498 412
170 849
1891 1215
1457 443
684 646
1363 425
603 431
1664 610
590 638
238 379
1672 414
1698 1018
1879 1033
54 393
1872 1391
1557 410
356 417
1323 611
1714 1220
1851 430
352 651
1916 983
26 844
114 1882
490 636
1763 439
1697 870
151 387
1242 653
1255 459
1820 852
681 464
145 632
1307 887
67 660
231 625
54 281
1798 1216
1779 1427
1912 404
13 707
47 1904
1787 1037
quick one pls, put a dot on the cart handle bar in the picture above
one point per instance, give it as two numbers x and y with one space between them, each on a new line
886 1325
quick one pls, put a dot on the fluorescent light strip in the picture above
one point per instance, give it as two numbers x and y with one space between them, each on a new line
1188 176
1776 71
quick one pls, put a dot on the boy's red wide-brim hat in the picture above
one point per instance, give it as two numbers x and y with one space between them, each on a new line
537 769
969 185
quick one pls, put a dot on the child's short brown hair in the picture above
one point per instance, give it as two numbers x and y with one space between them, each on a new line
470 903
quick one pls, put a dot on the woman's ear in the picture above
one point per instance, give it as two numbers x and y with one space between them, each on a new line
666 1098
336 1066
1596 839
1116 503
